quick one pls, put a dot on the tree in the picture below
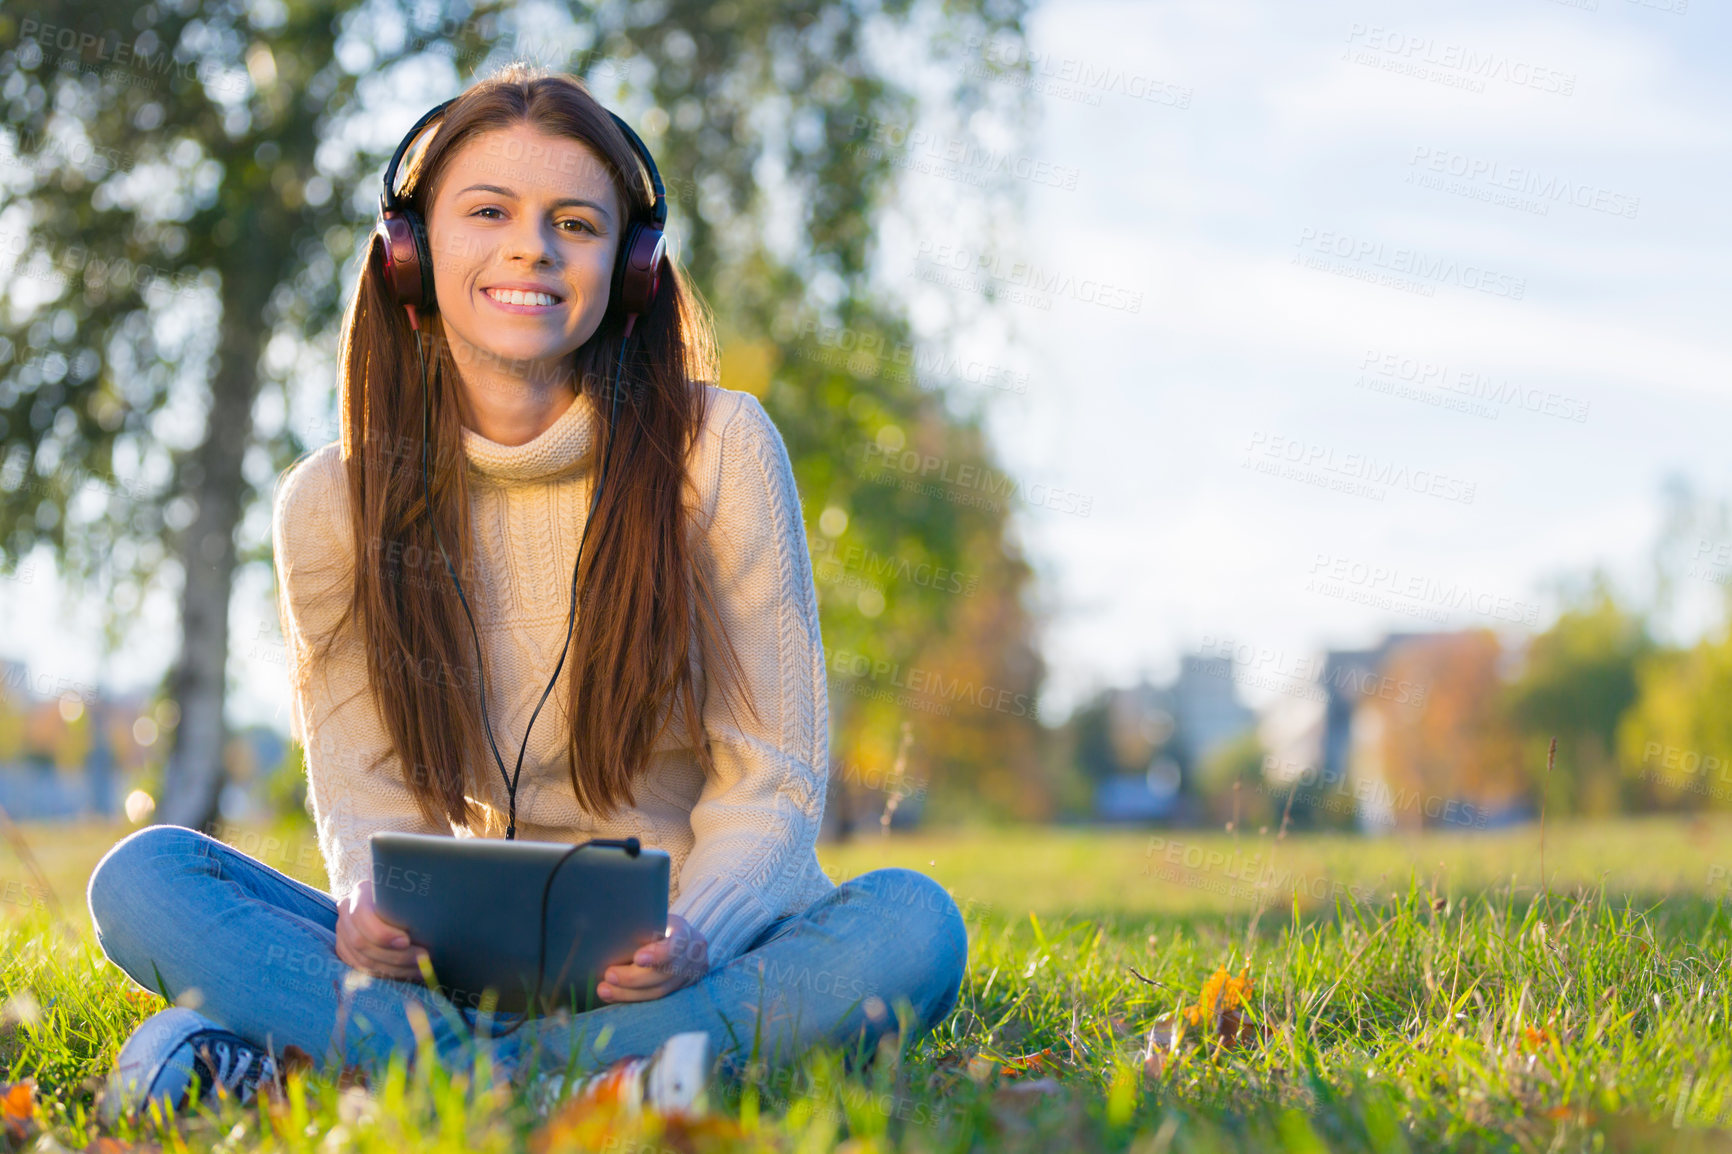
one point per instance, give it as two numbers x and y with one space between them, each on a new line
1676 739
194 197
1577 681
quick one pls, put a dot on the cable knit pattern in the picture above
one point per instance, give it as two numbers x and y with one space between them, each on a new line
743 841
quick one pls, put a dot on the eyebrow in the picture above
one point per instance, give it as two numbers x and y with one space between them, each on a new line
561 203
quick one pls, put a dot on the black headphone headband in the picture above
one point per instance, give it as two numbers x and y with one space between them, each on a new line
391 202
407 257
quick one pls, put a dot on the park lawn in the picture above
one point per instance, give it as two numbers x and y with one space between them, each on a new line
1417 992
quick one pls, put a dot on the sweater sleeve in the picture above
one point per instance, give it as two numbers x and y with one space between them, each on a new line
757 817
354 776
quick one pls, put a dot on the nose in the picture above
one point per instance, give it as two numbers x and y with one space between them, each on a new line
531 241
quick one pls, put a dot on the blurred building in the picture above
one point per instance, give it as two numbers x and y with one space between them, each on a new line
1160 737
71 750
1395 737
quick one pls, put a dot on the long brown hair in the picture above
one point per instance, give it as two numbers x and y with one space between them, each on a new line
629 667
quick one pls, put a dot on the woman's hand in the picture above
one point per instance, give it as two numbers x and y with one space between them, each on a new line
659 968
368 942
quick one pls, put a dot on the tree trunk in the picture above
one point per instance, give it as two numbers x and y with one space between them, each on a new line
198 682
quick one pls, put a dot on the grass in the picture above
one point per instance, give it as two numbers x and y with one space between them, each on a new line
1424 992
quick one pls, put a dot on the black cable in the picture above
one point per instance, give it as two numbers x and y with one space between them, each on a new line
630 845
571 621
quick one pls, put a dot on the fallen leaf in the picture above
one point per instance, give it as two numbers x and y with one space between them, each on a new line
1219 1015
1023 1063
1154 1062
1533 1039
1030 1088
1222 994
602 1121
18 1109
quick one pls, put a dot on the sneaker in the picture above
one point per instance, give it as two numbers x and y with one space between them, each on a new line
168 1050
670 1081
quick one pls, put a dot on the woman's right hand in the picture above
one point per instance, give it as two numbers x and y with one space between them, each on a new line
368 942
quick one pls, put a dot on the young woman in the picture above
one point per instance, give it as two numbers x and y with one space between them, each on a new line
617 522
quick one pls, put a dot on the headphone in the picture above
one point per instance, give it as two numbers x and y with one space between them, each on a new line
407 266
408 258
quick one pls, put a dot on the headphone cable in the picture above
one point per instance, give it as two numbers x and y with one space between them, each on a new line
511 782
571 621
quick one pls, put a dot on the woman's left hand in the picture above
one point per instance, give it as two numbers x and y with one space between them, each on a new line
659 968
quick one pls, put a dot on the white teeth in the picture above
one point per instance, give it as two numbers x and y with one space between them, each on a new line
516 297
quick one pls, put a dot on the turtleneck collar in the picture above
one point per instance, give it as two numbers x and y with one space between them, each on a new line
563 447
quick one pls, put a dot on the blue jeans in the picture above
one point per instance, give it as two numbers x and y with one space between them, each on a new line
180 911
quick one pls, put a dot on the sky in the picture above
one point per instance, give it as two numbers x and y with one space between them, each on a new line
1356 318
1432 302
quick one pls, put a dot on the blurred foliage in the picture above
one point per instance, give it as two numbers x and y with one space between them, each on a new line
191 183
1675 744
1231 787
1578 680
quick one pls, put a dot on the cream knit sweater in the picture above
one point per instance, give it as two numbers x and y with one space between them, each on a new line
742 842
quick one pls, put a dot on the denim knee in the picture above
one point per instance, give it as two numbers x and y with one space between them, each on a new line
920 910
122 888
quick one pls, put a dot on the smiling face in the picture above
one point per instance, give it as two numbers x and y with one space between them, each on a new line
523 230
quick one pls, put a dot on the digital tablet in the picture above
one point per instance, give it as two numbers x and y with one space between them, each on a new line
476 905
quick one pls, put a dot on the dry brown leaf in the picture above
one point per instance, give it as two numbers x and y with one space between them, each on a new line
1218 1016
1222 994
1038 1061
602 1121
18 1109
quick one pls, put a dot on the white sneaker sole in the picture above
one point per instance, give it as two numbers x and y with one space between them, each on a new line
678 1076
